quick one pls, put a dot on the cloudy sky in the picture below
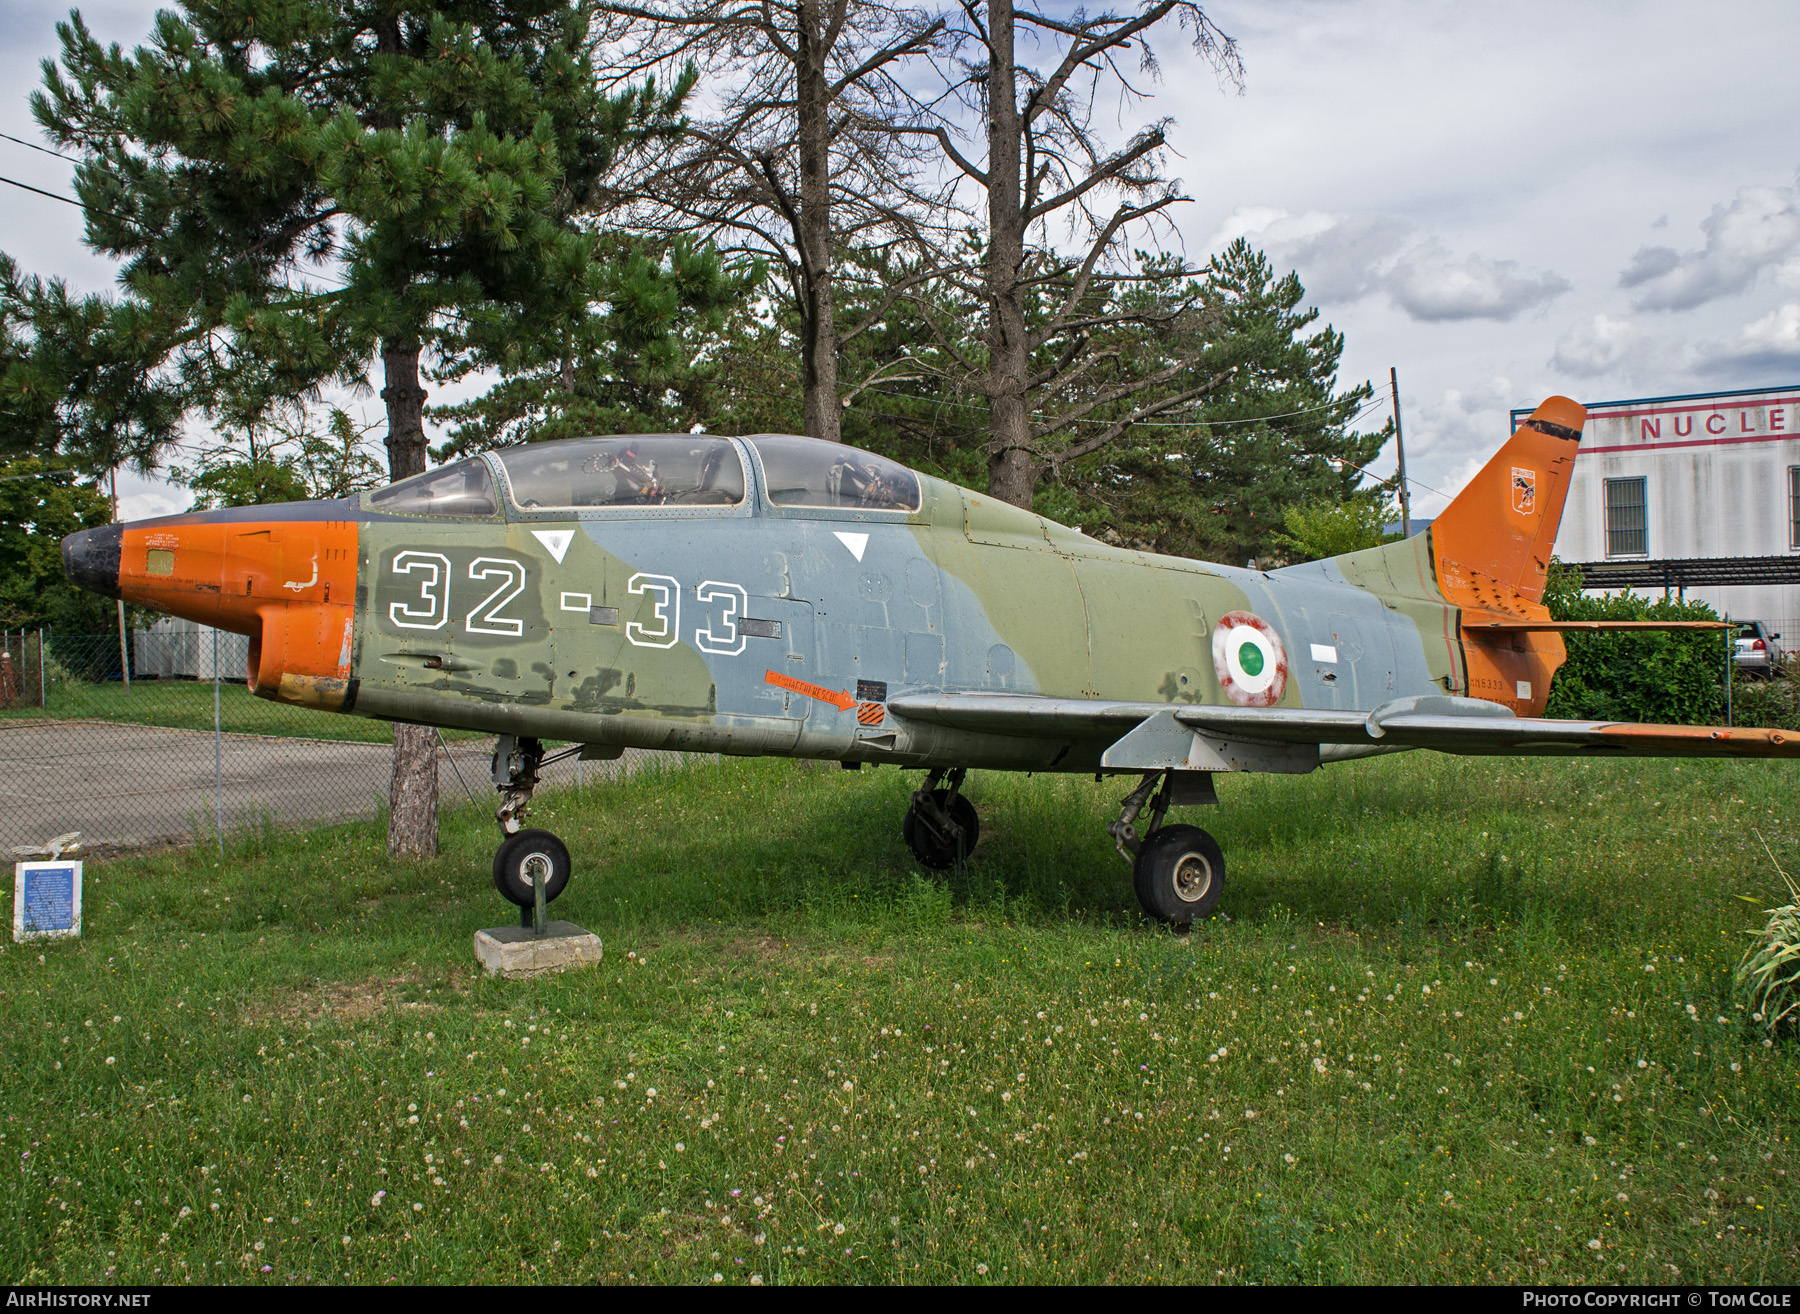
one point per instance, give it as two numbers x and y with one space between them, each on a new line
1502 201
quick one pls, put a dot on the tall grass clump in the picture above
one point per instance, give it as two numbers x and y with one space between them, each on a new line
1768 978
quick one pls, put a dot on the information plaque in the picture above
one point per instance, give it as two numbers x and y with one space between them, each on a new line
46 900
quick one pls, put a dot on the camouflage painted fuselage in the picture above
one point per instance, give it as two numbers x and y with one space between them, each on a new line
719 628
875 615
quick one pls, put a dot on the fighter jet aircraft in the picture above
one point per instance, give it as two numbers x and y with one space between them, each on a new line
785 596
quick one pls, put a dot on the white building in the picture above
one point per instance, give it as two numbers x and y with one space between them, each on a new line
176 649
1698 494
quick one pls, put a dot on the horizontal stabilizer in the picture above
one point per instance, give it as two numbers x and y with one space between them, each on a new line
1448 725
1587 626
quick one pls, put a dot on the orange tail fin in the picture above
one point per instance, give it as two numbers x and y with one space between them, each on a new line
1493 542
1491 548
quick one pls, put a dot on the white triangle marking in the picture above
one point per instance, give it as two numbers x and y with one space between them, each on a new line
557 540
855 542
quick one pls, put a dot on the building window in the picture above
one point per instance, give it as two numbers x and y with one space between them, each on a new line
1626 535
1794 506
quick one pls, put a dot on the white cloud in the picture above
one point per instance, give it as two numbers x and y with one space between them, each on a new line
165 500
1450 437
1340 257
1596 347
1432 285
1344 257
1760 229
1769 343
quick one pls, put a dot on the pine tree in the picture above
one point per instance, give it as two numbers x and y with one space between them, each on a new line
298 188
646 365
1272 433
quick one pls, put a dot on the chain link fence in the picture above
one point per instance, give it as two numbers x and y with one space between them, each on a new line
157 740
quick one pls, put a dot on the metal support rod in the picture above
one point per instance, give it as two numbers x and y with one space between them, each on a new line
124 637
540 877
1400 453
218 751
43 686
445 746
1730 651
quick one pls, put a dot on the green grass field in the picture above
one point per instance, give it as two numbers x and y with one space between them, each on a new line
1459 1022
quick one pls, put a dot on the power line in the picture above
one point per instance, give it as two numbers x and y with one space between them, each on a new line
1374 403
66 200
35 147
113 214
39 474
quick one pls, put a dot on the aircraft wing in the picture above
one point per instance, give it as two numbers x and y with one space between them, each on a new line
1466 726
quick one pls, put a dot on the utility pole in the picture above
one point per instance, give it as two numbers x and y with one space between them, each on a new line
1400 452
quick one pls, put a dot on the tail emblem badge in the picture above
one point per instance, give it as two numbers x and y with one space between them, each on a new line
1524 491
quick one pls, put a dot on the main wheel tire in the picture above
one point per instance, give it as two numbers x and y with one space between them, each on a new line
525 858
939 851
1179 874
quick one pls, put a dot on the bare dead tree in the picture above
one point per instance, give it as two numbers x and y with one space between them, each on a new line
800 159
1057 325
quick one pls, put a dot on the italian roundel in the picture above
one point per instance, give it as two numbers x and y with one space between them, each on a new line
1250 660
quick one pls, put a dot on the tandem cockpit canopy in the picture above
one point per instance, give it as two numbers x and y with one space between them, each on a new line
658 470
633 470
809 472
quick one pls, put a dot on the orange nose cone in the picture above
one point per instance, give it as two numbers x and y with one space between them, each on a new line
288 583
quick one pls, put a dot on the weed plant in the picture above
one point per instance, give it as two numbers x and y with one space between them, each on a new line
1456 1022
1768 979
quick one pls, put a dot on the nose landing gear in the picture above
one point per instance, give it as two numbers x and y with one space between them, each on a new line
531 867
1177 871
527 861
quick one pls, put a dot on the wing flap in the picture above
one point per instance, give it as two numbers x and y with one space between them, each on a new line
1523 736
1026 715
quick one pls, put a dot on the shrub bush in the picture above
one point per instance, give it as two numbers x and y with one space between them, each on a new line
1674 679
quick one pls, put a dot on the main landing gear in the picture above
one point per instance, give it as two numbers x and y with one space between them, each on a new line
527 861
1178 871
941 826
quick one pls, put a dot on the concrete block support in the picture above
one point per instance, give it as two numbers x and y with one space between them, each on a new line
513 951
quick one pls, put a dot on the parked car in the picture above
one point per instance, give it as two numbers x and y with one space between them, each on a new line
1758 653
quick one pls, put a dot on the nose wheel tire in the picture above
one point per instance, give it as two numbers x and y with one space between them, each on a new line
933 845
526 858
1179 874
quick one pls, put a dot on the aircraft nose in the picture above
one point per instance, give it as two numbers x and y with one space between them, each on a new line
91 558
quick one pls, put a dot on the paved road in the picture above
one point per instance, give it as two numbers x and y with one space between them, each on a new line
125 785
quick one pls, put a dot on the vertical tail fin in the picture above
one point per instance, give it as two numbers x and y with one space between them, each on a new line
1492 543
1485 560
1492 546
